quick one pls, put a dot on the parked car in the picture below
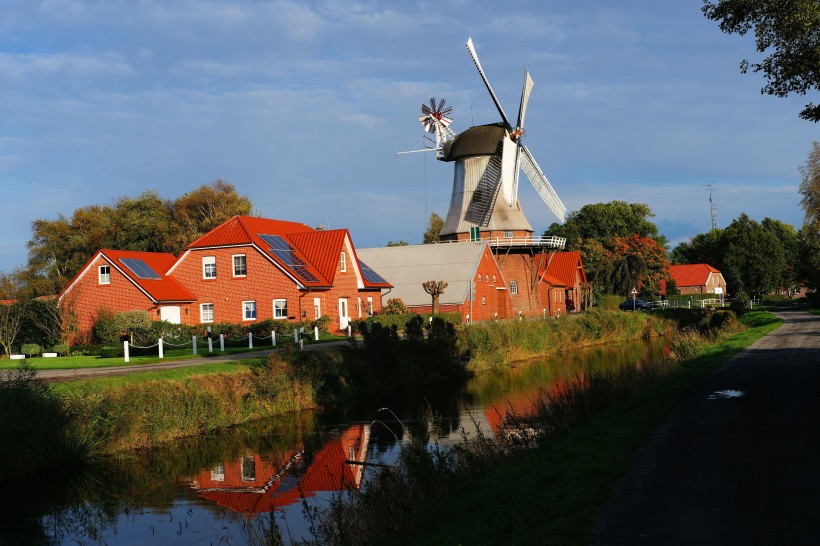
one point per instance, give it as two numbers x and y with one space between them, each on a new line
630 304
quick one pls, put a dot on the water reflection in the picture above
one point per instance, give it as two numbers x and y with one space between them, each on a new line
208 489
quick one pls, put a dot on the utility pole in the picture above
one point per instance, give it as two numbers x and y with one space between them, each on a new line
712 206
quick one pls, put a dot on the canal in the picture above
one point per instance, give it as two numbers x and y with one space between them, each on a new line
220 488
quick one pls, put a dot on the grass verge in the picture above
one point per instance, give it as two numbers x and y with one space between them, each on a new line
492 492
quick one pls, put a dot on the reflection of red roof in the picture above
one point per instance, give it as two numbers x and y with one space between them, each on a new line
253 484
692 274
565 265
521 404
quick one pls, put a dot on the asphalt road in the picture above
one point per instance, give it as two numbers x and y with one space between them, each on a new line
739 461
82 373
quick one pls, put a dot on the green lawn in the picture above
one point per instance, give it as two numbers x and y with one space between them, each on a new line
91 361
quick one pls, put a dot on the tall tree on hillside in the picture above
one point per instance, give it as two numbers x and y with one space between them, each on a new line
810 201
200 211
754 257
789 31
434 225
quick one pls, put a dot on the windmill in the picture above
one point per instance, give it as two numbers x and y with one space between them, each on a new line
488 161
436 120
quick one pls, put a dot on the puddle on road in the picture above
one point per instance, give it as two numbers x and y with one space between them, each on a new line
723 395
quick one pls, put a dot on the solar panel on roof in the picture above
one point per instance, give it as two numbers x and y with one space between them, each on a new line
370 275
282 250
139 268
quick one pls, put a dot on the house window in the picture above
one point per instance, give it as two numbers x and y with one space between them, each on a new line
280 309
218 473
105 274
342 262
248 469
249 310
508 234
493 279
206 312
479 277
317 307
486 278
239 266
483 300
209 267
513 287
475 233
369 307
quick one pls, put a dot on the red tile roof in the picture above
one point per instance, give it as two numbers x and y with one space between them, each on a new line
565 265
243 230
691 274
161 290
322 249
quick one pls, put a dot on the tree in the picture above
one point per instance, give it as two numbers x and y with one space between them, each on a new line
11 315
200 211
789 30
634 261
790 241
435 289
434 225
810 202
603 221
754 257
397 243
703 248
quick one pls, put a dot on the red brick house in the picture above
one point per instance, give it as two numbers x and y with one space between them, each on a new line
568 269
533 291
698 279
247 269
475 284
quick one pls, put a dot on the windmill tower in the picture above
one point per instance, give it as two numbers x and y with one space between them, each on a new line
488 159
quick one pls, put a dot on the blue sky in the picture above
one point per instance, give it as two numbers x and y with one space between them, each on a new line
303 106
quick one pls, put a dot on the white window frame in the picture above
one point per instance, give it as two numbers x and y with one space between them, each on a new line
508 234
104 278
369 306
244 265
246 307
342 262
203 312
317 308
483 300
206 262
513 287
277 310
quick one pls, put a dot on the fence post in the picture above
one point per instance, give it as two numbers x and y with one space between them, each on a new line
222 343
250 340
161 351
273 337
193 342
210 344
316 333
295 335
350 331
125 349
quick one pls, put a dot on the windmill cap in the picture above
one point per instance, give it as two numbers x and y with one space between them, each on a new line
481 140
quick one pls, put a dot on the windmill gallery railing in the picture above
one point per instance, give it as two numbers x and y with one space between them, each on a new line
550 242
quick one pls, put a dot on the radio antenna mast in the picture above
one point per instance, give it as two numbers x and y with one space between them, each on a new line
712 206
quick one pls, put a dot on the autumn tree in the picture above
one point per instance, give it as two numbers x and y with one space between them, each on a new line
810 202
434 225
11 316
603 221
789 31
633 261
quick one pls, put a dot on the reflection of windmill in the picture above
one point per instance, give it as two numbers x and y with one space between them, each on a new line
488 159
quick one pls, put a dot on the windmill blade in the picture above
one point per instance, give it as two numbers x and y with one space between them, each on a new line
514 192
525 98
481 206
474 55
541 184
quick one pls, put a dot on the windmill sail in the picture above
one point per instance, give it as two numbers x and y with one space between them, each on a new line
481 206
474 55
539 181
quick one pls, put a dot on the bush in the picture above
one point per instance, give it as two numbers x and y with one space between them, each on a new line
110 352
395 306
31 349
740 304
609 302
61 349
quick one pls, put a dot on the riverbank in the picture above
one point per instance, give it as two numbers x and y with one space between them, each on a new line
496 492
78 422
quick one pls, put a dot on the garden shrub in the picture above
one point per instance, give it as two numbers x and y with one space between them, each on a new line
740 304
110 352
31 349
61 349
609 302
